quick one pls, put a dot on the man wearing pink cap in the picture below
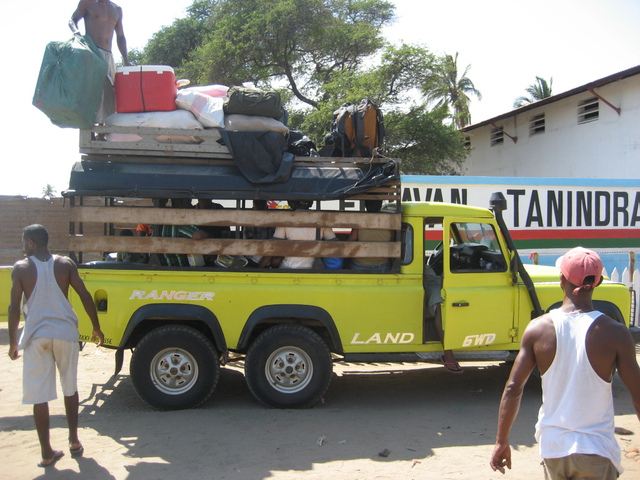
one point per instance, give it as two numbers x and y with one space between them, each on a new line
576 349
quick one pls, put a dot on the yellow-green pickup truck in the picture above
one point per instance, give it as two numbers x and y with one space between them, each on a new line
184 322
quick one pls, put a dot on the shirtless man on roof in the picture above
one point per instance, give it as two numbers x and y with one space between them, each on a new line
101 19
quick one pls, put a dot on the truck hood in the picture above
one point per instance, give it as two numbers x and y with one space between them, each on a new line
543 273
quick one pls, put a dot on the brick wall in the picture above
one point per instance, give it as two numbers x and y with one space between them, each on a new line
17 212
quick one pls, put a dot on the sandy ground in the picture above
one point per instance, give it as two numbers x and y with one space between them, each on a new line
387 421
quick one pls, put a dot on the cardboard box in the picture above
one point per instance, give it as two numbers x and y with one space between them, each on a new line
145 88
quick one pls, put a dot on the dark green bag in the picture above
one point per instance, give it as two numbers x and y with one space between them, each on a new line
251 101
70 82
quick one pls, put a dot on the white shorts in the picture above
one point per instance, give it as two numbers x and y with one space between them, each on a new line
40 358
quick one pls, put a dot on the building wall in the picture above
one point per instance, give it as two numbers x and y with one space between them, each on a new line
605 148
17 212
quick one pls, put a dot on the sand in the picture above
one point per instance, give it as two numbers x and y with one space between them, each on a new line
376 422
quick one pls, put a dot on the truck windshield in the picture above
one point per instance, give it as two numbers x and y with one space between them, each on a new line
477 233
475 247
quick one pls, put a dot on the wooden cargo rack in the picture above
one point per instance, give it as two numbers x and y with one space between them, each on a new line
235 245
156 146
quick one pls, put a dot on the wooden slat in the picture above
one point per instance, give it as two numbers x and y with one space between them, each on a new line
148 145
230 217
294 248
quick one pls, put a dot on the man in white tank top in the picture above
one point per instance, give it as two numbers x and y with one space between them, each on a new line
576 349
50 334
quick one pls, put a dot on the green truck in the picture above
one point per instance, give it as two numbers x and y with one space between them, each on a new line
183 323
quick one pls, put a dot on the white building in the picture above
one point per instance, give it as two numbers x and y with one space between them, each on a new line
592 131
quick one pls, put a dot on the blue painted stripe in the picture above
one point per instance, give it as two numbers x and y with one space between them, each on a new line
531 181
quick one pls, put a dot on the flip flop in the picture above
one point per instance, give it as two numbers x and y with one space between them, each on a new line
76 452
452 367
57 455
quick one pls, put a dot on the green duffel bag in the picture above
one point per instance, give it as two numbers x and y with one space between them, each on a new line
70 82
251 101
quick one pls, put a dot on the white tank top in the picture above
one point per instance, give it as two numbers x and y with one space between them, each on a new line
48 312
577 405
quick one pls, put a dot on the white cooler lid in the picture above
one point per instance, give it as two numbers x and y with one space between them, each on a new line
144 68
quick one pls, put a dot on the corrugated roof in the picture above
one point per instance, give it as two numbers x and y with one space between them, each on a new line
584 88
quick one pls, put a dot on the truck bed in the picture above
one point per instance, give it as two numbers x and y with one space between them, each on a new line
153 169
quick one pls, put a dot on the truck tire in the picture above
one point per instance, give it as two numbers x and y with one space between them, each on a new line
175 367
288 366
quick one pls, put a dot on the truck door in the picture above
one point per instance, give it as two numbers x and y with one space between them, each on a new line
479 300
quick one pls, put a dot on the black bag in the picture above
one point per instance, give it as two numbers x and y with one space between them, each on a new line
356 130
301 145
251 101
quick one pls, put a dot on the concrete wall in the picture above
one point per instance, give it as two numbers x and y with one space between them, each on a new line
605 148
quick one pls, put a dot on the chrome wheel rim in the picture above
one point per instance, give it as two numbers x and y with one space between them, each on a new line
289 369
174 371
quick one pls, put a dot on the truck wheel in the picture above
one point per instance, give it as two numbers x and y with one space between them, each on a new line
288 366
175 367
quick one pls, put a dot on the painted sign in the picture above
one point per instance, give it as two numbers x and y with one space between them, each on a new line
547 215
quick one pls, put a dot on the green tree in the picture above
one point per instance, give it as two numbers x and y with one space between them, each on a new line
444 87
302 43
392 83
424 142
537 91
174 44
319 54
48 192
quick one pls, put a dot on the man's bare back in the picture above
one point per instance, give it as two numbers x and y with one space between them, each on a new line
101 19
25 272
603 342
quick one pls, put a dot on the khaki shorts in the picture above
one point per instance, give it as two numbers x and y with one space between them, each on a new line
41 357
578 467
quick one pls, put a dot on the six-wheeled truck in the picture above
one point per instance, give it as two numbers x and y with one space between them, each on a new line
183 323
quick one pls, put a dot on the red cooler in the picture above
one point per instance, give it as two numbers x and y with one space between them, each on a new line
145 88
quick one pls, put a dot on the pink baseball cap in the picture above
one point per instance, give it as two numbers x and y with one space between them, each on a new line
578 264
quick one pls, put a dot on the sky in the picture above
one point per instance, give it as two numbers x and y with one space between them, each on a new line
507 43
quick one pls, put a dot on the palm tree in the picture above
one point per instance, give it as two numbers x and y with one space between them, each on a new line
444 87
537 91
48 192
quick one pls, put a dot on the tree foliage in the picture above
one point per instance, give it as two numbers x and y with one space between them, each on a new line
174 44
424 142
48 191
537 91
301 42
319 54
445 88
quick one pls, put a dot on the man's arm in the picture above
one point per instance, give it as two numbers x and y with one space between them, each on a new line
121 40
510 404
628 368
87 301
80 12
14 311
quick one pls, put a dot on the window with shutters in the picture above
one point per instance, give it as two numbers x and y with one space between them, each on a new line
588 110
497 136
536 125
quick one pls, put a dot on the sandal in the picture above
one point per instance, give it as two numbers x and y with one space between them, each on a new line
76 452
453 367
57 455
